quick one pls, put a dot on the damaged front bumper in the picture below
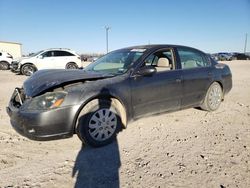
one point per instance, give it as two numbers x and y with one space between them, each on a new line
41 125
15 67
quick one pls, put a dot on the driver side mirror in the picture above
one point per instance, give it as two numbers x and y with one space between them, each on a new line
146 71
40 57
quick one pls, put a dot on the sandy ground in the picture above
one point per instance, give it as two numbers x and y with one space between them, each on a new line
189 148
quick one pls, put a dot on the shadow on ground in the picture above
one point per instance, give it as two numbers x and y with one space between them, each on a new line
97 167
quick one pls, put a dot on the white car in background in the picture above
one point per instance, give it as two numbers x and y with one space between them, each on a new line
56 58
5 60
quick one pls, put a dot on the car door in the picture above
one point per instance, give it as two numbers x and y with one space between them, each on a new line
158 92
196 74
46 60
61 59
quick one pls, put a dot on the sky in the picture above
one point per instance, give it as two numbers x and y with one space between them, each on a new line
209 25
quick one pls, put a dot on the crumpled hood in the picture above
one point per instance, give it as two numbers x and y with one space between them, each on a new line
18 59
43 80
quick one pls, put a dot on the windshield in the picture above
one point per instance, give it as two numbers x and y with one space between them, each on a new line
117 62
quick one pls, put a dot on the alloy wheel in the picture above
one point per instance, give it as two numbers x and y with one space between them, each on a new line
28 70
71 66
214 97
102 124
4 66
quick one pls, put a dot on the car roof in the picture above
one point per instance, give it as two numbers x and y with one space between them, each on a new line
60 49
156 46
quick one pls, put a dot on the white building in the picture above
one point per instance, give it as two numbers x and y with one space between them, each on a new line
13 48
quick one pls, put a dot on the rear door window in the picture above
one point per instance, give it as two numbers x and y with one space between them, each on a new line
63 53
192 59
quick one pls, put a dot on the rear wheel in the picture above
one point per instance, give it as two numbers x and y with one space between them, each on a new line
4 65
98 123
213 97
28 69
71 65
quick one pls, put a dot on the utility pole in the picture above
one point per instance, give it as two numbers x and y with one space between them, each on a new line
107 28
245 47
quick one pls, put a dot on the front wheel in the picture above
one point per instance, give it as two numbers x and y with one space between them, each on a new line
98 123
213 97
28 69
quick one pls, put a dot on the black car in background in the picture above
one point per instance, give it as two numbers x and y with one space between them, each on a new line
222 56
240 56
119 87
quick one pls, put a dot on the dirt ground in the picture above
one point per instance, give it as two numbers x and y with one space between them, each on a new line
189 148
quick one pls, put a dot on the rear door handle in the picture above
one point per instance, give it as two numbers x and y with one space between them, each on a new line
178 80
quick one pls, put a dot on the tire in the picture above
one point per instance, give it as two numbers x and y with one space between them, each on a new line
98 123
213 97
28 69
4 65
71 65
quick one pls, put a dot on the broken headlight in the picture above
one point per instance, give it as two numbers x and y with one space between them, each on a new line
47 101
